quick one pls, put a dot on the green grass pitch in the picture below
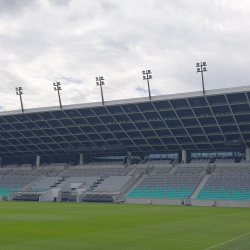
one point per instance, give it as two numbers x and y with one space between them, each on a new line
27 225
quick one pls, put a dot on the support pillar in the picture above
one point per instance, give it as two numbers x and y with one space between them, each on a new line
0 161
129 157
248 154
81 159
38 161
184 156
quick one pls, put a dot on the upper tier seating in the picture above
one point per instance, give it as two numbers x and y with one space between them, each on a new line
11 166
158 162
227 183
178 185
105 163
25 166
244 161
224 161
103 172
200 161
56 165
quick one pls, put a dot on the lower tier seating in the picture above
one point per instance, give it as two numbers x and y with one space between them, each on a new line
26 197
6 190
98 198
178 185
227 183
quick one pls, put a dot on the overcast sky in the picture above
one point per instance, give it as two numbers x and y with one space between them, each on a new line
75 41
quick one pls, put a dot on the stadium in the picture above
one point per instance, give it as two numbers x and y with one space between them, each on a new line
187 150
177 146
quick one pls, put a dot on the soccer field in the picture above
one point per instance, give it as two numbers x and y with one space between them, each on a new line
27 225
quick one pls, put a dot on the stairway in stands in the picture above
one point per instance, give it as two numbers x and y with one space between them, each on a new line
198 189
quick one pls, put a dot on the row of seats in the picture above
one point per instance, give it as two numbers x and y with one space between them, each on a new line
104 172
224 161
26 197
227 183
244 161
200 161
11 166
105 163
177 185
98 198
158 162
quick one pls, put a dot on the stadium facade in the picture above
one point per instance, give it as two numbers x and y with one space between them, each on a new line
170 124
181 149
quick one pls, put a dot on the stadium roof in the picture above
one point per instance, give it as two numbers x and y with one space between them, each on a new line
217 121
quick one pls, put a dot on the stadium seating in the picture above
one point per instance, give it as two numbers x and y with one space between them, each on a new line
227 183
113 183
244 161
26 197
224 161
105 163
161 184
200 161
104 172
44 184
98 198
11 166
158 162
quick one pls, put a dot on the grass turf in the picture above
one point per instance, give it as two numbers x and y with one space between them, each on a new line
28 225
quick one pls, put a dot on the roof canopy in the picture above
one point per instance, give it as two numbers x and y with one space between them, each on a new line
217 121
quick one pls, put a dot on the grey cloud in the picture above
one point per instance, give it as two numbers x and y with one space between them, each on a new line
75 41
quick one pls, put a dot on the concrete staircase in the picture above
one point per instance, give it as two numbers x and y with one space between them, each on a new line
174 168
198 189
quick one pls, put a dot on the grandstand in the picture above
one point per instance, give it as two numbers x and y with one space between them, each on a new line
189 148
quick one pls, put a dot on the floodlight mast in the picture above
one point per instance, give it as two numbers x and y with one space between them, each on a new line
202 67
57 87
100 82
146 76
19 91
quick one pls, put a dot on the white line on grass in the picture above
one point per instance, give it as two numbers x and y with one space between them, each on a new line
223 243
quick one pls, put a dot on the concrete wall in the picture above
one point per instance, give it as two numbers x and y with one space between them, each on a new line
49 196
194 202
155 201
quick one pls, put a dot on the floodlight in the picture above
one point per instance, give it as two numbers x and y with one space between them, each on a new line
146 76
202 68
20 93
100 82
58 88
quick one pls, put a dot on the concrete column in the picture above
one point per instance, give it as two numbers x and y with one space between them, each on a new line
129 157
38 161
81 159
0 161
184 156
248 154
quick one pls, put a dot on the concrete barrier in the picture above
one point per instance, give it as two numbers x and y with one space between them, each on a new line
194 202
